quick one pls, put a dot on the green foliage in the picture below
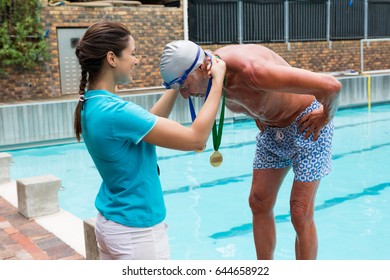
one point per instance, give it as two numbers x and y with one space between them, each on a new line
22 40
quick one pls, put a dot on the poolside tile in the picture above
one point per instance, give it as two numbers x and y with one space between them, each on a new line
10 230
23 255
6 254
37 238
49 242
58 252
35 251
5 239
24 239
17 219
33 230
5 209
10 251
4 225
73 257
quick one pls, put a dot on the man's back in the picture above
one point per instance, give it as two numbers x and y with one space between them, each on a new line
247 64
250 52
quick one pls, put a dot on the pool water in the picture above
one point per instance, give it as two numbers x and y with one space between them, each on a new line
208 213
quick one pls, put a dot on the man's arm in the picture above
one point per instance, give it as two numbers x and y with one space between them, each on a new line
279 78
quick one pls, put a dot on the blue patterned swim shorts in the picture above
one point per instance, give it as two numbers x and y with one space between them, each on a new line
283 147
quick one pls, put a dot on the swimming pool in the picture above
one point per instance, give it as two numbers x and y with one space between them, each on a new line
208 212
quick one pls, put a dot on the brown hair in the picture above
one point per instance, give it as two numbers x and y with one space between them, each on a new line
98 40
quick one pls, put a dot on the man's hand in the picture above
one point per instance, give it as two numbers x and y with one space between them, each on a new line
313 122
262 127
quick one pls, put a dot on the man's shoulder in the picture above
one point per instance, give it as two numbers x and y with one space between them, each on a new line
248 54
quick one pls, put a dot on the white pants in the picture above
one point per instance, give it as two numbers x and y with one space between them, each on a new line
119 242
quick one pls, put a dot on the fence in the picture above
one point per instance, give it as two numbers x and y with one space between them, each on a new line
378 18
246 21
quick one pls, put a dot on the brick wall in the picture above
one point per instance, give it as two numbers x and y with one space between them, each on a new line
153 27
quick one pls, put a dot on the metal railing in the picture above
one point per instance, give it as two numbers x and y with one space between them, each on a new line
307 21
246 21
213 22
263 22
378 19
347 19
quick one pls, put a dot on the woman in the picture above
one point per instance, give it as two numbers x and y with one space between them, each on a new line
121 138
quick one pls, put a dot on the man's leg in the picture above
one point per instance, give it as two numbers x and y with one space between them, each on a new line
265 186
302 216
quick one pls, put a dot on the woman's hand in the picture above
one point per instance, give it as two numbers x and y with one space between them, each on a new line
313 122
169 134
217 69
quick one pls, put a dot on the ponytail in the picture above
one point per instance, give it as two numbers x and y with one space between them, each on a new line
99 39
79 108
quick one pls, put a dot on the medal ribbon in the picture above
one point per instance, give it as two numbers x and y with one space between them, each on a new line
217 133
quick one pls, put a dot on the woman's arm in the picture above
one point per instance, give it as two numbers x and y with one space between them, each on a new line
164 105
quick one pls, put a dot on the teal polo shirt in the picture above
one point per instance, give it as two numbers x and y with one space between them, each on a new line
113 129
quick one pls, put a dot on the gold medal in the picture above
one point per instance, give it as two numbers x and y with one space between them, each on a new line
216 159
199 151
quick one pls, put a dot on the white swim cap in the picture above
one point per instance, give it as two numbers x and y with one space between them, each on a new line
179 59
